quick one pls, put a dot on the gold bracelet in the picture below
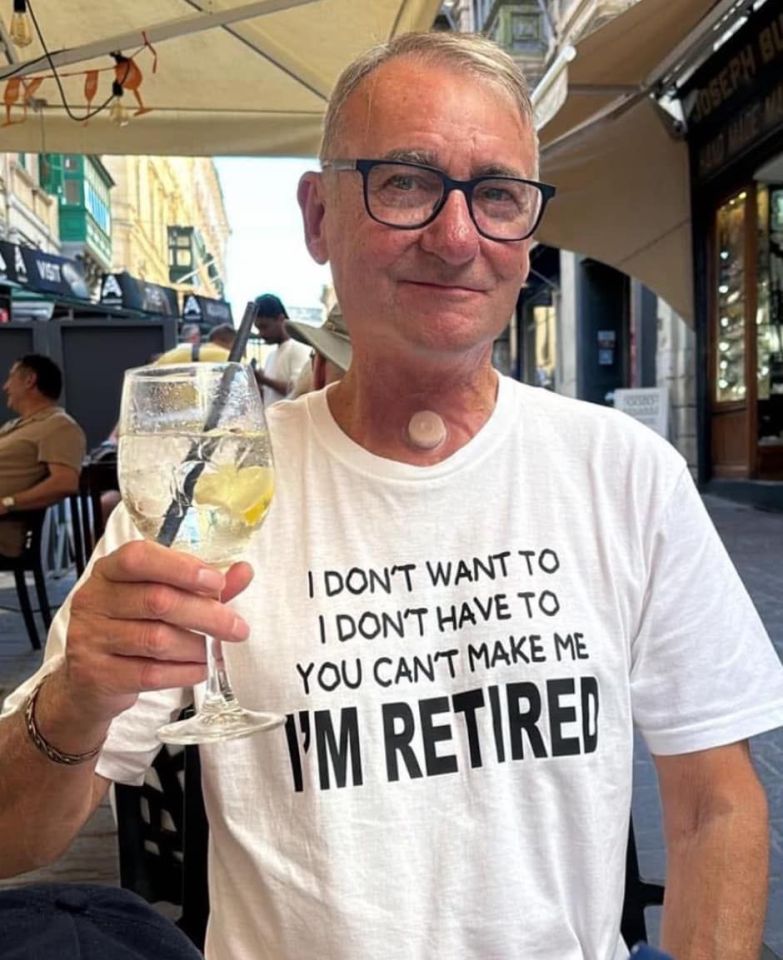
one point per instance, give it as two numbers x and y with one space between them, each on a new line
46 748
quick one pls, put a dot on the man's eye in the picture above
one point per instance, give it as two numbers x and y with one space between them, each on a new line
406 183
498 194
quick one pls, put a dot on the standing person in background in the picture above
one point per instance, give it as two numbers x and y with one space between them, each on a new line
286 360
41 451
331 354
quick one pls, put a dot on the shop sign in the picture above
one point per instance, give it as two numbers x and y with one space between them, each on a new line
42 272
205 310
648 405
736 98
123 290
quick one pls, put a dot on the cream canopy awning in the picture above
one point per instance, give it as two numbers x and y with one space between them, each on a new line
230 77
620 167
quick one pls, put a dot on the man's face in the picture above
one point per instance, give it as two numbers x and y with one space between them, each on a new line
442 288
270 329
18 384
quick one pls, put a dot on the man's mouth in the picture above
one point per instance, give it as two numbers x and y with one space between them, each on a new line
446 287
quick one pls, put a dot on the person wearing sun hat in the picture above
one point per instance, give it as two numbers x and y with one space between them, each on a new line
331 345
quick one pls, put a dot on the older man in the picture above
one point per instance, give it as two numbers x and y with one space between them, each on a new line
41 451
469 590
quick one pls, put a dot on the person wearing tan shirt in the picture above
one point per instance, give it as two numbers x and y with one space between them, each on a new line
41 451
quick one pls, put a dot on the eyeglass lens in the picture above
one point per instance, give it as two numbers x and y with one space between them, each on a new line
406 196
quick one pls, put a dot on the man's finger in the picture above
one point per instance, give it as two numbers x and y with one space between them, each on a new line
115 603
142 560
238 578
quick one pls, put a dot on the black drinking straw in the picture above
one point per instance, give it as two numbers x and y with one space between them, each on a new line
198 451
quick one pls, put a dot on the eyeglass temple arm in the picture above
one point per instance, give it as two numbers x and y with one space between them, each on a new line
338 165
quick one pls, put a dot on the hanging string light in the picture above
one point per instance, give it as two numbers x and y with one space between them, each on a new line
21 31
18 93
117 112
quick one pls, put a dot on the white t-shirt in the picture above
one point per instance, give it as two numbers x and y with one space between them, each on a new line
284 363
462 651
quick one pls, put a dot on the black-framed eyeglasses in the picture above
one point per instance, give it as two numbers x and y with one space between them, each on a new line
410 195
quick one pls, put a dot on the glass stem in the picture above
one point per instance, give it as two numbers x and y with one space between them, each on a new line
219 695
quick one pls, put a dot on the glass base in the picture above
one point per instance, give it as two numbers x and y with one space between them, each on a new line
228 722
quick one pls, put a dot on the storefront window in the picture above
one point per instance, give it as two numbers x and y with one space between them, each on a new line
729 340
769 314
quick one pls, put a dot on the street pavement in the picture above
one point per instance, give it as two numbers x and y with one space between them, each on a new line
754 540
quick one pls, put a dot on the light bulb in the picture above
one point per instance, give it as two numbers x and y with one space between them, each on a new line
117 113
20 32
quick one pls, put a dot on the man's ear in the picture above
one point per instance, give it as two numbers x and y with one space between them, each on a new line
311 202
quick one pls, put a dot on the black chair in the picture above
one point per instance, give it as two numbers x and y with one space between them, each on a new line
163 836
97 476
29 561
638 896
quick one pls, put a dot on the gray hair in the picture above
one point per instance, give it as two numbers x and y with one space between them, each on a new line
470 52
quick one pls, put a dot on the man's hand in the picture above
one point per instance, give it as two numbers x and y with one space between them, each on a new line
138 623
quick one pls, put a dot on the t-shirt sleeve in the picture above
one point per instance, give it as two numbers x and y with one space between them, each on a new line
64 443
704 672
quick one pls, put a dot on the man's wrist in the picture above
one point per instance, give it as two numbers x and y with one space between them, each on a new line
65 720
8 504
44 746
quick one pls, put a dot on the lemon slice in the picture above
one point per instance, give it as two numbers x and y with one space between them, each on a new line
244 492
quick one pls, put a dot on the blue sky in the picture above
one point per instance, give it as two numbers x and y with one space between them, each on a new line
266 251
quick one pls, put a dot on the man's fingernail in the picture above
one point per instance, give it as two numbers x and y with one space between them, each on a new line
239 629
210 580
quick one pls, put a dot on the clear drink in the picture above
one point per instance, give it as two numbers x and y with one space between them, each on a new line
221 481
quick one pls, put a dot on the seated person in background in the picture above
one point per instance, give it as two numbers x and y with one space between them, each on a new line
41 451
331 354
284 363
216 350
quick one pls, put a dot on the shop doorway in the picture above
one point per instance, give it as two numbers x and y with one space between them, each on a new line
746 330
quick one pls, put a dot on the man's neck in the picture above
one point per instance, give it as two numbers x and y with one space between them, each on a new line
374 403
32 406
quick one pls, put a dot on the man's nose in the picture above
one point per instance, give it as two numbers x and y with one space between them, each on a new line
452 235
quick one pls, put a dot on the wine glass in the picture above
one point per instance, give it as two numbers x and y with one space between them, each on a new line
196 474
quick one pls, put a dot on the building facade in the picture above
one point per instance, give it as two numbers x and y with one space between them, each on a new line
733 108
169 224
28 212
82 186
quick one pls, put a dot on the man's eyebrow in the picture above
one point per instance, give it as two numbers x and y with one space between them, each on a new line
411 156
499 170
429 159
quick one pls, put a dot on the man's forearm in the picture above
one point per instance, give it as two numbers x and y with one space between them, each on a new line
43 494
716 886
279 386
44 804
